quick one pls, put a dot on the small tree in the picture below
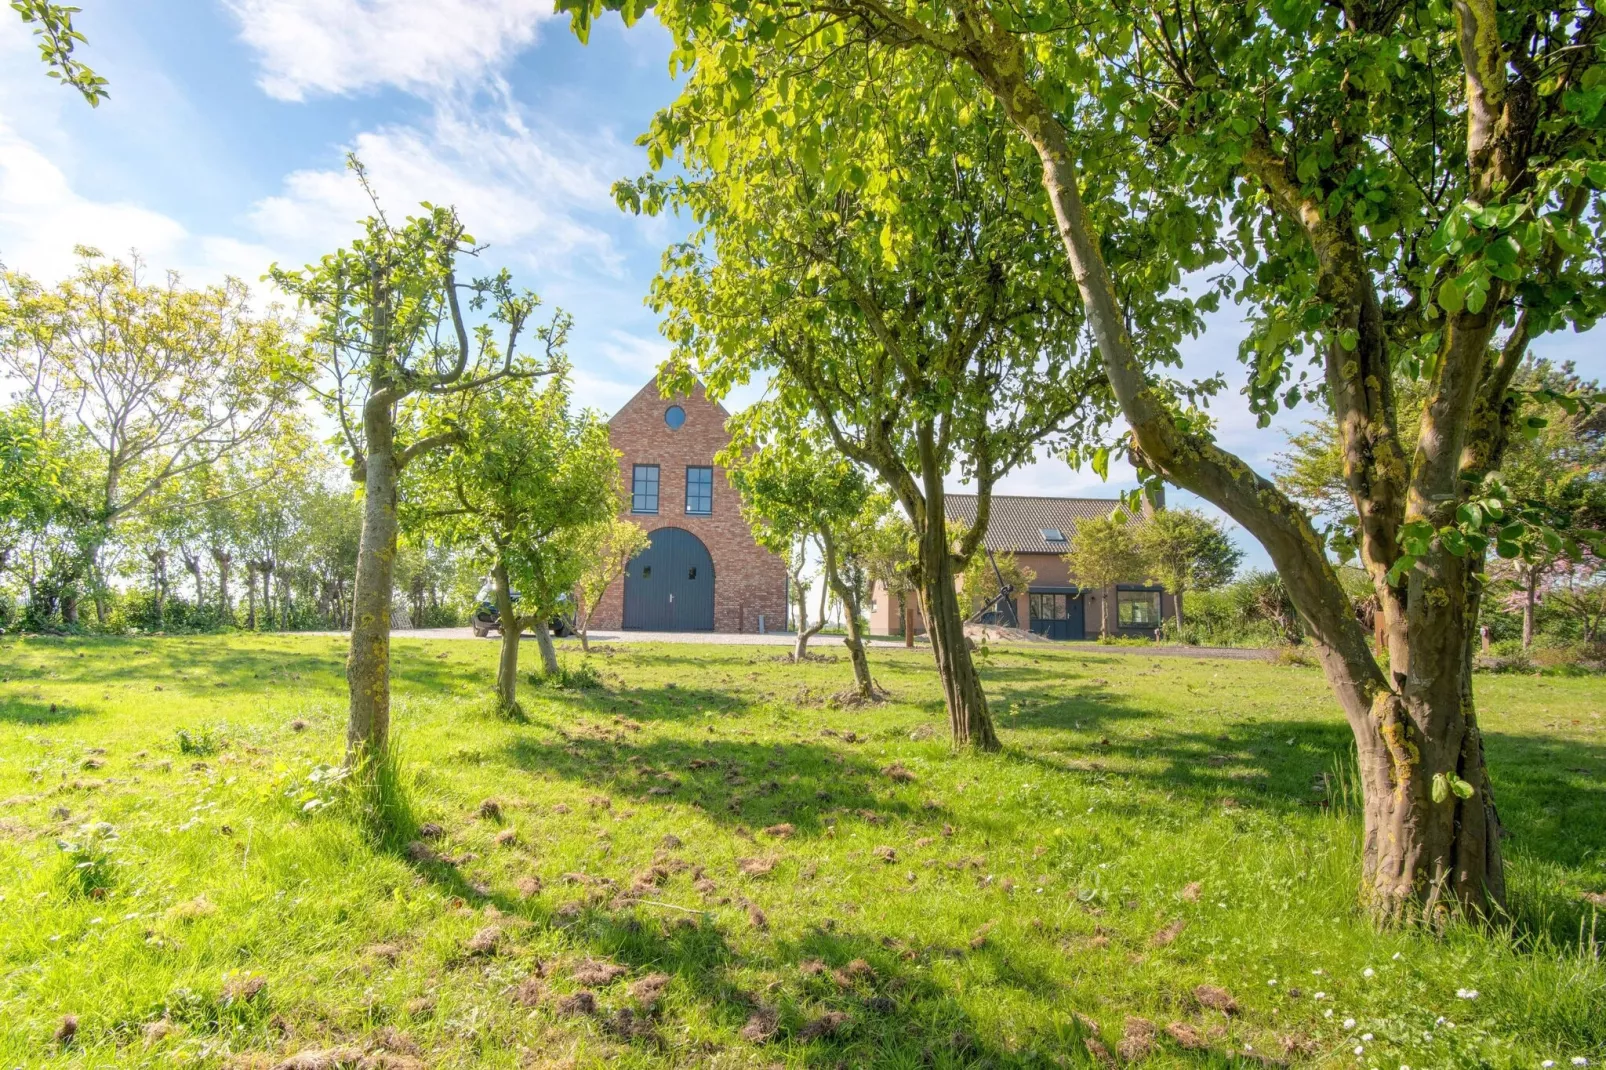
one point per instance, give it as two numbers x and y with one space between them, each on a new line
795 490
1103 552
391 340
1184 550
527 478
891 560
605 550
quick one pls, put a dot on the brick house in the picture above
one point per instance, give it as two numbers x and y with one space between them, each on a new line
1038 532
702 571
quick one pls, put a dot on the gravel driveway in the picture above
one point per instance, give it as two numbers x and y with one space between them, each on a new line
831 641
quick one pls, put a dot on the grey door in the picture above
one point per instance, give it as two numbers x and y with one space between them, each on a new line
669 586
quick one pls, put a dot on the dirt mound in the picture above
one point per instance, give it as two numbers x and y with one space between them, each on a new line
995 633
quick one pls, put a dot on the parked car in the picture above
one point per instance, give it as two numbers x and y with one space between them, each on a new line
485 618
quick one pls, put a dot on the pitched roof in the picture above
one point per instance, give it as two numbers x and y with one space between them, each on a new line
650 390
1015 524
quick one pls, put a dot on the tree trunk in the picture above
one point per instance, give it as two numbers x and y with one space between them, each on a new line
905 599
224 608
968 718
251 596
368 663
192 564
507 664
1530 592
804 631
543 643
158 559
1176 602
850 612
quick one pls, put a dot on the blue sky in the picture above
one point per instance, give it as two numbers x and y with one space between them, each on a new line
221 151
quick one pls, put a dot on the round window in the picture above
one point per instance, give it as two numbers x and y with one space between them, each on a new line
674 416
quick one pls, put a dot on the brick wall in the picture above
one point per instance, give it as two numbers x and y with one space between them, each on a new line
748 580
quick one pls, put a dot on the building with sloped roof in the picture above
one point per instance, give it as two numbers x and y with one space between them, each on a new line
1037 531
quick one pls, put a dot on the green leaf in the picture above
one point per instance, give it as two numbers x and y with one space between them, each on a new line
1451 297
1460 787
1441 788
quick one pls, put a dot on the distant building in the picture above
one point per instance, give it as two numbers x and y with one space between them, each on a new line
703 571
1037 531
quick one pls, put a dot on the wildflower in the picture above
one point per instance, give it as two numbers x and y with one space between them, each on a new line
1359 1049
1320 995
1466 993
1398 957
1349 1023
1368 972
1366 1037
1579 1060
1272 981
1547 1064
1328 1013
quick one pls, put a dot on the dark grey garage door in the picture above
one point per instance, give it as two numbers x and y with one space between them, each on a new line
669 586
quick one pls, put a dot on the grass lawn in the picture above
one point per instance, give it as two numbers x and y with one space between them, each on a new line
740 873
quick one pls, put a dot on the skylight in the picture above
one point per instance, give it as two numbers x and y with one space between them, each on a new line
1053 535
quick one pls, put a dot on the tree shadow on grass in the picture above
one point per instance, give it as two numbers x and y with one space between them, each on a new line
827 997
1550 792
732 782
198 665
28 711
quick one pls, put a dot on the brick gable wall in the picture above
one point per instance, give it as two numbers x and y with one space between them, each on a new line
748 580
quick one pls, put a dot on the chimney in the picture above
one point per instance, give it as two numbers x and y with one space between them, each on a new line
1154 500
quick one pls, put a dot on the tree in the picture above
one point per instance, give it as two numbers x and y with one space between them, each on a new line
1578 592
795 490
1554 469
527 479
605 549
890 559
915 324
1184 550
162 380
1407 189
30 476
1103 552
390 338
57 41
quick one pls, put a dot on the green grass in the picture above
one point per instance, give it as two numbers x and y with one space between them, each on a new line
173 851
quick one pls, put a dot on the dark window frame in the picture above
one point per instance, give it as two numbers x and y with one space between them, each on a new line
709 496
638 493
1126 595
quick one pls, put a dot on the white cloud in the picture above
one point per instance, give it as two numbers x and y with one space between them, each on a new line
309 47
42 218
517 187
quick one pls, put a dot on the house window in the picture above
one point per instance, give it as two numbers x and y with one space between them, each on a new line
674 416
1138 609
1054 535
1050 606
644 489
699 491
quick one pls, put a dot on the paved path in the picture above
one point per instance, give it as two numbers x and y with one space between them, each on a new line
833 641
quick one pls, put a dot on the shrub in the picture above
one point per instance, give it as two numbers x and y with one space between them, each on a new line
87 865
583 678
207 739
